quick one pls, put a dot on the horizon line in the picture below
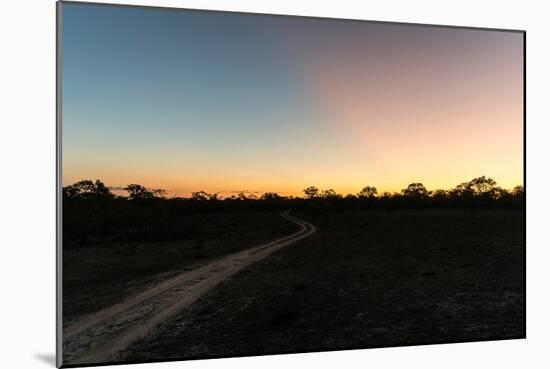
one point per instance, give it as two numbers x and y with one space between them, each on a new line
187 194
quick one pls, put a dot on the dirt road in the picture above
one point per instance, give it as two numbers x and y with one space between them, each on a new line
104 335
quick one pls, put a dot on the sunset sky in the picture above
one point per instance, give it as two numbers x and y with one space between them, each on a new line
224 102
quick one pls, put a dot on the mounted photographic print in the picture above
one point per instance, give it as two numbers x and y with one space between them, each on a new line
235 184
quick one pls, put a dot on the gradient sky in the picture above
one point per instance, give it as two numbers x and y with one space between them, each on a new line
222 102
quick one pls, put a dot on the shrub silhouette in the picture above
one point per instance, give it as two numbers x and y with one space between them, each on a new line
271 196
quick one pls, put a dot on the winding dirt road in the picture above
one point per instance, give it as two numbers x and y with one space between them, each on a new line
104 335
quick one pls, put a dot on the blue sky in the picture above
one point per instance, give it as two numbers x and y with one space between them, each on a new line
193 100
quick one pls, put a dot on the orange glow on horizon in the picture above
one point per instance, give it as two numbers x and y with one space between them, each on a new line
334 105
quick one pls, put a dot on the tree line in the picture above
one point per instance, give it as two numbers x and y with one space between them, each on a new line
482 190
91 209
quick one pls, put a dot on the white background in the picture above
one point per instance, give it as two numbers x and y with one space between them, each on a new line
27 185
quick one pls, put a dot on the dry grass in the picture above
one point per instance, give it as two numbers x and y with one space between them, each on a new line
365 279
106 271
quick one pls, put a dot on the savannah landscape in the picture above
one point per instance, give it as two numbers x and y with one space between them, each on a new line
407 268
242 184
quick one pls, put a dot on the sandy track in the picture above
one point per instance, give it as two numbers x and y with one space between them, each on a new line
104 335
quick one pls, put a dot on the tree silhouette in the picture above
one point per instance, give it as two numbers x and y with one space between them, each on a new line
484 187
440 195
311 192
139 192
416 190
367 192
462 190
518 191
270 196
480 187
200 195
331 194
87 190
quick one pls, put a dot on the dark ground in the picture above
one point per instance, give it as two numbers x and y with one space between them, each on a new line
105 271
365 279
